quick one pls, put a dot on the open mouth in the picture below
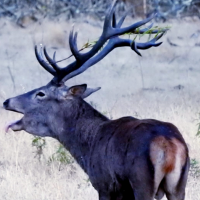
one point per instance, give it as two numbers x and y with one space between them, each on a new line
16 125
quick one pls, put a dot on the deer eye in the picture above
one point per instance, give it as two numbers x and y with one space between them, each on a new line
40 94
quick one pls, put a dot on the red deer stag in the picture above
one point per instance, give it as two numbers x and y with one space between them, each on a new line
126 158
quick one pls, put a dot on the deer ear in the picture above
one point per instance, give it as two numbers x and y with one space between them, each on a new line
89 91
77 90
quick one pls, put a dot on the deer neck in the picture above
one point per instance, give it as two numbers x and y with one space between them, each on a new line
79 134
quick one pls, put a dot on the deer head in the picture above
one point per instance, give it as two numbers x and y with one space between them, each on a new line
42 107
55 104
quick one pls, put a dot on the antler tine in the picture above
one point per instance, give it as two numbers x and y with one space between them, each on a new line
51 61
140 31
132 27
147 45
134 48
119 24
71 36
135 45
54 56
73 45
114 22
109 15
146 29
158 37
43 62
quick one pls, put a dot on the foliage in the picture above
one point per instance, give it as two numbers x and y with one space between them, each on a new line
93 104
61 156
166 9
38 9
150 31
41 8
198 128
39 143
194 168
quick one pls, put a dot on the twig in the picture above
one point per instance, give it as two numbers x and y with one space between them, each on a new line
90 45
173 59
141 73
10 73
8 11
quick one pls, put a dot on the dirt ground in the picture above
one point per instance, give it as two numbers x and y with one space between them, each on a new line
162 84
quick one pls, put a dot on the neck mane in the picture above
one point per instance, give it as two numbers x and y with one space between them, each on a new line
80 131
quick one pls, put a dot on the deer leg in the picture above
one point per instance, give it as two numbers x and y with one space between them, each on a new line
103 197
175 197
176 191
160 193
107 196
143 192
143 195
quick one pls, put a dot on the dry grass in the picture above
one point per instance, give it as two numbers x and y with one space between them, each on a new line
142 87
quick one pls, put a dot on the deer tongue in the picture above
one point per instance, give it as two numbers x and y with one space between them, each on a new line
15 126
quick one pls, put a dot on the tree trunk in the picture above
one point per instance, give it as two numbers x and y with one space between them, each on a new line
139 7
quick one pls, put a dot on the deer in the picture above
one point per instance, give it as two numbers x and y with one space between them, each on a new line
125 158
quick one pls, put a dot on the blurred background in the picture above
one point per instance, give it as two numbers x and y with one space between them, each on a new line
20 10
163 84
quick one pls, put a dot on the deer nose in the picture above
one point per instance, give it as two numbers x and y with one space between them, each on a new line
5 104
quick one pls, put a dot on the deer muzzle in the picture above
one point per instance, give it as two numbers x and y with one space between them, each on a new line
11 105
16 125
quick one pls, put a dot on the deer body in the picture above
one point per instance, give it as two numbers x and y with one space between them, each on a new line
126 158
122 157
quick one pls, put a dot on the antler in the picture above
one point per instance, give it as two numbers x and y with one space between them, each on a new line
111 31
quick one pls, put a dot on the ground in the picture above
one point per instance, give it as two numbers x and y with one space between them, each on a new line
162 84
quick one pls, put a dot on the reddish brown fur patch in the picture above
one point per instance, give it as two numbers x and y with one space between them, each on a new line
182 151
170 151
164 152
